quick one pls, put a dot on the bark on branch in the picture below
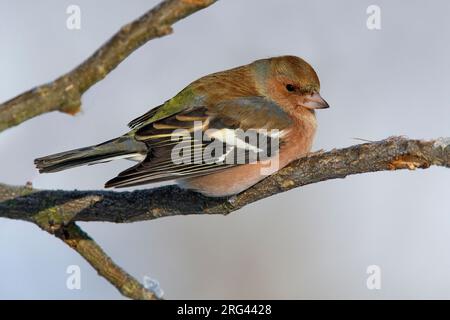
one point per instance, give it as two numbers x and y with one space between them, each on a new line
63 207
64 93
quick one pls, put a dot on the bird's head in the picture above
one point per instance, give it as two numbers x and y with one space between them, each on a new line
289 81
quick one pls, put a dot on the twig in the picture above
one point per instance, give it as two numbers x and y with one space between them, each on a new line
64 93
79 241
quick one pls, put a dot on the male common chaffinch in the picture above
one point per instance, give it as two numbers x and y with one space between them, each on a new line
269 95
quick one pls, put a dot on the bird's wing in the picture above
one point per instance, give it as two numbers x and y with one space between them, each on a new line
183 100
199 140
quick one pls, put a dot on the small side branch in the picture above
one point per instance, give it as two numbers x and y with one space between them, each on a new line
79 241
64 94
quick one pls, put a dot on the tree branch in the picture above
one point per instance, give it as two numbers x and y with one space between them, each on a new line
64 94
64 207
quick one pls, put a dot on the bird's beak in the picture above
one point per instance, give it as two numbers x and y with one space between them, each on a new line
314 101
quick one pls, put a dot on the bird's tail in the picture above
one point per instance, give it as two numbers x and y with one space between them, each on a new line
119 148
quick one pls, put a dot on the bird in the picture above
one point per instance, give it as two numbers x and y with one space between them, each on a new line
217 115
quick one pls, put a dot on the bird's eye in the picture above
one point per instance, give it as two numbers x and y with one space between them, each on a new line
290 87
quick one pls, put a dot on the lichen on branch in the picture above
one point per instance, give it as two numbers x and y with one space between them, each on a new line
62 207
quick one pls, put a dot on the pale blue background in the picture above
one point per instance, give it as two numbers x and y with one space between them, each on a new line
312 242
